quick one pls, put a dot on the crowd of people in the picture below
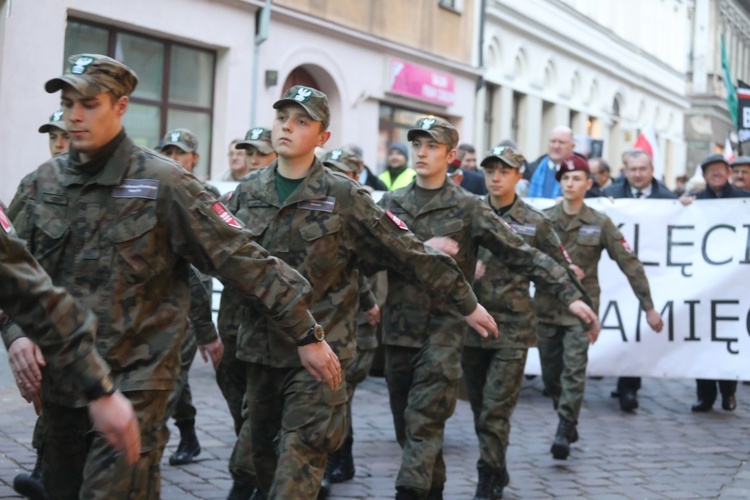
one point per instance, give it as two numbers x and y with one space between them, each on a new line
316 275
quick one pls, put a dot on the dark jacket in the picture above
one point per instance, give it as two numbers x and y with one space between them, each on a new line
623 190
473 182
728 191
373 181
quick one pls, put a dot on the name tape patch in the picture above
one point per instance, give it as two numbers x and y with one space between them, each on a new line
137 188
324 205
524 229
590 231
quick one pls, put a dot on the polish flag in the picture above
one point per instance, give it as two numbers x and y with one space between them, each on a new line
728 151
646 142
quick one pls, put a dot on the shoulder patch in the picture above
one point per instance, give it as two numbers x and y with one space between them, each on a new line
625 244
222 212
4 222
396 220
565 254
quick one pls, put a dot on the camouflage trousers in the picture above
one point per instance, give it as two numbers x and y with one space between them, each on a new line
422 387
493 383
180 403
563 352
357 370
231 378
79 463
295 423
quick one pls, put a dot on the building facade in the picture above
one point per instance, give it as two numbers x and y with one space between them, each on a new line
707 123
382 63
609 70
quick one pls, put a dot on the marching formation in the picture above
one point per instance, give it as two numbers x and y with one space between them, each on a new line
108 250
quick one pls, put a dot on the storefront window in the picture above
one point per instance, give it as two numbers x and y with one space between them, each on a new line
175 83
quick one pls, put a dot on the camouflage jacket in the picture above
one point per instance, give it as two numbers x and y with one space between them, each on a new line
587 234
61 328
326 229
413 314
120 234
505 293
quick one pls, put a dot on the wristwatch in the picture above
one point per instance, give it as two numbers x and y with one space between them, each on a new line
316 334
104 387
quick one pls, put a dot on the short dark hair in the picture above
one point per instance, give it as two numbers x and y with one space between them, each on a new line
603 165
468 148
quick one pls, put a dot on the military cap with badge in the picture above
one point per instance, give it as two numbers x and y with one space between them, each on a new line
181 138
439 130
258 138
313 101
55 121
93 74
571 164
342 161
506 155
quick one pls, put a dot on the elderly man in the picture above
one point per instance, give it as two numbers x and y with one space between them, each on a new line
639 183
741 173
559 147
716 172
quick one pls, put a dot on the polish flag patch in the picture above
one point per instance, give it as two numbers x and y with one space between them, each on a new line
565 254
625 244
4 222
225 215
396 220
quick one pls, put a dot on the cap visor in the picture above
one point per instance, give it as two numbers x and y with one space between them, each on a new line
261 146
412 133
336 165
79 83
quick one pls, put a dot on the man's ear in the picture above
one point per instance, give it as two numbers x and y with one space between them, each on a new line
121 105
323 138
452 156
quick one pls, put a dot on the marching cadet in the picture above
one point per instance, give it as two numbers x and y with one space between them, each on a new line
181 145
30 485
326 226
423 337
65 333
258 148
58 134
230 374
118 225
340 465
493 368
563 342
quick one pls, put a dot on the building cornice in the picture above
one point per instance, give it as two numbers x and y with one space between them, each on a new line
736 16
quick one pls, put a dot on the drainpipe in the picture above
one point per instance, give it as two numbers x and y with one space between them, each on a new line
263 20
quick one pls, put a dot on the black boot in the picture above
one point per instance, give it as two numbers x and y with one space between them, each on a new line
435 493
404 493
30 485
325 485
344 469
242 489
502 482
561 446
486 483
628 401
189 446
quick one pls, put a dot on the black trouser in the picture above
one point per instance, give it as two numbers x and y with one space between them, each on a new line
706 389
628 384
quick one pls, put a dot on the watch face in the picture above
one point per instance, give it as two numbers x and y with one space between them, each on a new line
319 333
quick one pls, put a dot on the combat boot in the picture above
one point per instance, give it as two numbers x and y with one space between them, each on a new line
344 467
561 446
486 483
30 485
189 446
502 482
242 489
325 485
435 493
404 493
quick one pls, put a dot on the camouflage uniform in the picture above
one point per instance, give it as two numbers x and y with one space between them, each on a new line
493 368
563 344
424 336
327 228
120 232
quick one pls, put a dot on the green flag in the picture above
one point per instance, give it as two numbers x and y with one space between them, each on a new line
732 103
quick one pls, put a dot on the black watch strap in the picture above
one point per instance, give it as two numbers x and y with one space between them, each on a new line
315 334
105 387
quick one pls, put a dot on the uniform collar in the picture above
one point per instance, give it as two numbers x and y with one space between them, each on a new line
446 197
110 174
315 185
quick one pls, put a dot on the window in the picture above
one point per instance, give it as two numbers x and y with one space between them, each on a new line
175 83
454 5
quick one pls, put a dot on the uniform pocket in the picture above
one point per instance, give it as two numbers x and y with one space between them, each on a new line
322 238
588 239
136 244
449 227
52 232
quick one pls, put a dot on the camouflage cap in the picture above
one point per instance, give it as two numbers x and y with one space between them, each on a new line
312 100
507 155
55 121
258 138
440 130
181 138
92 74
341 160
570 164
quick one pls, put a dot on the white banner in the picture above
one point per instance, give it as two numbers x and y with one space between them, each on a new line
697 259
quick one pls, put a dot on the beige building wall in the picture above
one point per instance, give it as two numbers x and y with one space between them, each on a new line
419 24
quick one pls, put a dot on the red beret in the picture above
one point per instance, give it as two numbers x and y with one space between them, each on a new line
570 164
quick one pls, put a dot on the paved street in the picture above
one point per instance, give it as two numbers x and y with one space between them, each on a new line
663 451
